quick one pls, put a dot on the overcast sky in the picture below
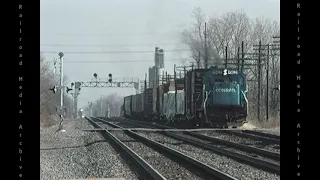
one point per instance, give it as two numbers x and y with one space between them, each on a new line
126 25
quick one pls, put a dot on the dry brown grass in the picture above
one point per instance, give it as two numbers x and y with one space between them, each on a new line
272 123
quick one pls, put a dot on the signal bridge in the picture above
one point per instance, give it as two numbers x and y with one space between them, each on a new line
116 82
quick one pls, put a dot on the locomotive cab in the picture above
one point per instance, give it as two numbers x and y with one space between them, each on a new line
225 94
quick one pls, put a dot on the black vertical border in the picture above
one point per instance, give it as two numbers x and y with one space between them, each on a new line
26 141
290 73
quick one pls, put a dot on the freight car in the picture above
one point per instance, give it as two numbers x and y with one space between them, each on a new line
204 97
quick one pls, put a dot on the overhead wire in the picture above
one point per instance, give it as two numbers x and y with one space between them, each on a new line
112 52
116 34
134 61
103 45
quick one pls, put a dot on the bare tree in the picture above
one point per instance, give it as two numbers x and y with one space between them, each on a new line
48 100
231 29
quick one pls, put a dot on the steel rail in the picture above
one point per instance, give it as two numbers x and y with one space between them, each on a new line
265 165
256 137
272 136
208 169
259 151
147 167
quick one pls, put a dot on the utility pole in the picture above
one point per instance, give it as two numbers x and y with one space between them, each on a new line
267 78
205 47
259 80
226 62
268 48
242 57
238 59
175 89
199 59
185 94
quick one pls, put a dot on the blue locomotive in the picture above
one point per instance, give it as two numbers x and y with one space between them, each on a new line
219 97
213 97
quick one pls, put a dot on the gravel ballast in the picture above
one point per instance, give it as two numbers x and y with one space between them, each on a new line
241 140
168 168
225 164
76 154
229 148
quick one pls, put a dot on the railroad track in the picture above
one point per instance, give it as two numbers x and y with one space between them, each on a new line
255 135
271 136
264 139
189 169
256 157
258 136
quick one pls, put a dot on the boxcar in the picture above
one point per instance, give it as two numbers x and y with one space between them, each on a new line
134 105
148 102
159 101
127 106
173 105
139 104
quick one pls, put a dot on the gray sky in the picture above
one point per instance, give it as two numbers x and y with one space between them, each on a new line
137 24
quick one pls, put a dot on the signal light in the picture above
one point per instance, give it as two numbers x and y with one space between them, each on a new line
110 77
54 89
95 75
72 84
68 89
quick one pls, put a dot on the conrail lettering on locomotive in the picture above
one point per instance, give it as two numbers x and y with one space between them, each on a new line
227 72
226 90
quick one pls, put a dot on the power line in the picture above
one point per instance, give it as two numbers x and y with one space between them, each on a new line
112 52
119 61
115 34
153 44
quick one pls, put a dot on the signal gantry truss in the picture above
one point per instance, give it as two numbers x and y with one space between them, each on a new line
114 84
109 84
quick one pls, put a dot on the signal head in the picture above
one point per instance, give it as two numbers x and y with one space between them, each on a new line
54 89
60 54
68 89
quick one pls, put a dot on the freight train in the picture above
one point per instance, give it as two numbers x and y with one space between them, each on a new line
213 97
